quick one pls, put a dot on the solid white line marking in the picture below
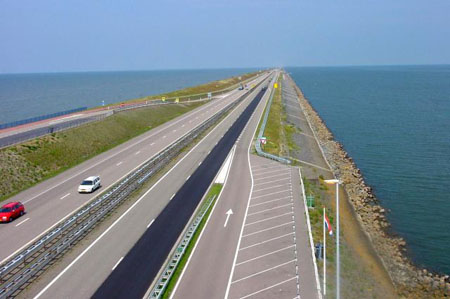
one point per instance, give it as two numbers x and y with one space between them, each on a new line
270 165
266 241
22 222
118 262
263 271
129 209
271 182
269 201
65 196
200 163
172 196
138 152
246 209
270 228
270 194
93 165
115 154
267 210
269 177
270 218
119 163
268 288
264 255
188 177
284 170
273 187
265 170
151 222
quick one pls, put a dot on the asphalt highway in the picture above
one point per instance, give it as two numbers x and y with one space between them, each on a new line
144 260
264 250
55 199
81 274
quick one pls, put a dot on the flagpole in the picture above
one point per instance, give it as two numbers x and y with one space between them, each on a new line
324 256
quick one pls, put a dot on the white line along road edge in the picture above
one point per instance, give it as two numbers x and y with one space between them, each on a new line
212 211
130 208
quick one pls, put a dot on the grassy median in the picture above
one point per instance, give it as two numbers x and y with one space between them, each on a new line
214 191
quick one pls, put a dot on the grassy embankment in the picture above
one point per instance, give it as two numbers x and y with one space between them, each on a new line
214 191
34 161
195 92
278 131
358 280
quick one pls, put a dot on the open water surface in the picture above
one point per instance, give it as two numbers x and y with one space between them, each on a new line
24 96
394 121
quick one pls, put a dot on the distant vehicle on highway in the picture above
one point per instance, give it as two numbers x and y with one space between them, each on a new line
241 87
11 210
89 184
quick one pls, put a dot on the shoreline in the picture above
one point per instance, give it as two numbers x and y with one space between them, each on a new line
409 279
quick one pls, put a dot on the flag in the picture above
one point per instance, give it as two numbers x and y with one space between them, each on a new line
328 225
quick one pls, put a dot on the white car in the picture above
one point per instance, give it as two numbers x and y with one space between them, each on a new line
89 185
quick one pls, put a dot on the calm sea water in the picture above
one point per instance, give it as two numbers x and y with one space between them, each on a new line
28 95
395 123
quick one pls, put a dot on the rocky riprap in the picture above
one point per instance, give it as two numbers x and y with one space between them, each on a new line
409 280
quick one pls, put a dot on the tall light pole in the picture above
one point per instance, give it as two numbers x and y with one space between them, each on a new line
338 266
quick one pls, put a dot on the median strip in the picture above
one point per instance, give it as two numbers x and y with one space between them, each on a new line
31 260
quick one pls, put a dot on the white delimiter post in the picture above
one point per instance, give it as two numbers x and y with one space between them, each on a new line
338 268
324 256
338 264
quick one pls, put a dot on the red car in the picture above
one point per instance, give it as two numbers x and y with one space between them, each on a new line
10 211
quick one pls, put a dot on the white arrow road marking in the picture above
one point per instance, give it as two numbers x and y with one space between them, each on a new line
229 213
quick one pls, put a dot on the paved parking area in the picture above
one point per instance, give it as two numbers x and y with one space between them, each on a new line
308 152
274 257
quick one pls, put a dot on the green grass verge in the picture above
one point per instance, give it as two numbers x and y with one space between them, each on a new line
274 127
29 163
214 190
25 165
191 92
356 280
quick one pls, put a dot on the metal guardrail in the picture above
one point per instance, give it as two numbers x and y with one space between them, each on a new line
57 127
38 118
171 266
41 131
28 262
263 127
171 100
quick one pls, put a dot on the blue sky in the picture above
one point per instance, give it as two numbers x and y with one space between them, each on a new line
49 36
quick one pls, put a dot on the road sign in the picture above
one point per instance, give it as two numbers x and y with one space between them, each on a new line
163 99
177 100
263 140
209 96
310 201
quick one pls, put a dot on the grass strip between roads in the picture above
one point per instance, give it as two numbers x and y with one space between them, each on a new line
27 164
215 190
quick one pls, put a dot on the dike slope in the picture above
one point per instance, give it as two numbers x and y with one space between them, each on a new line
409 280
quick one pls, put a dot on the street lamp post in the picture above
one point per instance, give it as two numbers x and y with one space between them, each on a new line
338 267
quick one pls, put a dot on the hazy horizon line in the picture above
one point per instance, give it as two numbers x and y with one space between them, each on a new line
219 68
